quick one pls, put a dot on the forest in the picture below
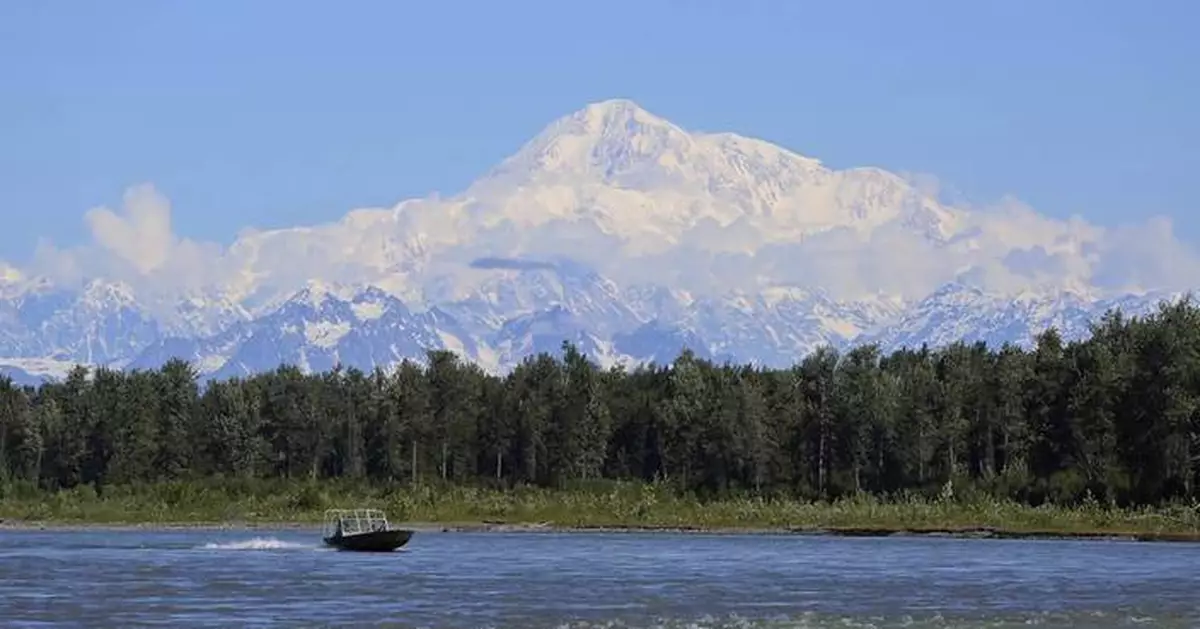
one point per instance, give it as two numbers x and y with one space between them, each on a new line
1113 418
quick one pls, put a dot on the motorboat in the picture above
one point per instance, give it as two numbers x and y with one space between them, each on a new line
362 530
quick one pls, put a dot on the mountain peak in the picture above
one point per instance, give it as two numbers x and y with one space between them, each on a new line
101 291
615 121
316 292
614 115
601 139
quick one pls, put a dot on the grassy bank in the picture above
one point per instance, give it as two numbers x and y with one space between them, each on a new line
611 506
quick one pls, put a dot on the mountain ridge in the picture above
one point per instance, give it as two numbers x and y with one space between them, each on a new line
614 228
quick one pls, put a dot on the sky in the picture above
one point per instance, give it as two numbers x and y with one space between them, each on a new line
272 114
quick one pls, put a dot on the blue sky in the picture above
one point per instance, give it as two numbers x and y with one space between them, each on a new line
271 114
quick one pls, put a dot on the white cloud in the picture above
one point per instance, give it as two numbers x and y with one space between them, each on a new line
1146 256
849 264
1006 247
62 266
1011 224
134 245
141 235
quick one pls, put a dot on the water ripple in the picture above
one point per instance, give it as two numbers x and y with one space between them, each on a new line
592 581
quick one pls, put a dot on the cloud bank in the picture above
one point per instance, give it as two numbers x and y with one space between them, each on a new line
1006 248
135 245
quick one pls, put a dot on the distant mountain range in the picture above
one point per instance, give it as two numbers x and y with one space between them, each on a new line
614 229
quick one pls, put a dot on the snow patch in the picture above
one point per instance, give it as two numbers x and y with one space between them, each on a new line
42 367
368 311
325 334
841 327
209 364
453 343
773 295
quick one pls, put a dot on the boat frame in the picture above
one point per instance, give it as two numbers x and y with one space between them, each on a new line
354 521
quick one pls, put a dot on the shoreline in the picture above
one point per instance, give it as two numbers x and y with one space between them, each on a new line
965 532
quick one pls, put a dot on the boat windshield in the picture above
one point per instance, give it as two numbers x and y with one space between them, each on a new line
352 521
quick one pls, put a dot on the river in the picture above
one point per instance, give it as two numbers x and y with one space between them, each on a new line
231 578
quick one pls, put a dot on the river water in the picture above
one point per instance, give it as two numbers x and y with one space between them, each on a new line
198 578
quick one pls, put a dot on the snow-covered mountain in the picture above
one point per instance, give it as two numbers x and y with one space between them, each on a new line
101 323
962 313
614 229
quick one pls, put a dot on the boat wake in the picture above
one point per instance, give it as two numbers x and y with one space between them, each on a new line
259 543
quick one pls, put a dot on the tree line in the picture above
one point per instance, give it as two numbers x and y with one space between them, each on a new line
1114 417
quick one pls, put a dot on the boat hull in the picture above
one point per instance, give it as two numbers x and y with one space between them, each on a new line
371 541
